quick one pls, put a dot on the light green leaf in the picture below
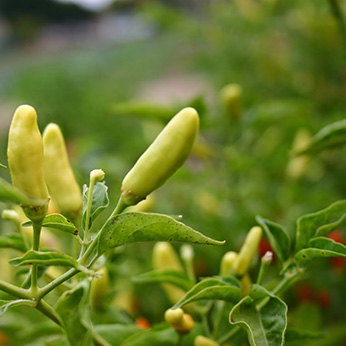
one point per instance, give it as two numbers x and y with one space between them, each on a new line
6 304
225 288
73 307
265 326
12 241
319 223
57 221
8 193
138 227
173 277
320 247
48 258
331 136
277 237
100 201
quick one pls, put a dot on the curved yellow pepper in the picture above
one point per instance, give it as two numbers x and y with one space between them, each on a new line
164 156
60 179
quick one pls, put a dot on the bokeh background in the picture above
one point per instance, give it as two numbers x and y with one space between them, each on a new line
112 73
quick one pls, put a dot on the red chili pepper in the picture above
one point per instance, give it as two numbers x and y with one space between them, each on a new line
142 322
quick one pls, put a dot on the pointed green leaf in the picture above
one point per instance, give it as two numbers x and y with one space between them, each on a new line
320 247
12 241
44 258
215 288
331 136
319 223
277 237
173 277
265 326
100 201
57 221
138 227
6 304
73 307
8 193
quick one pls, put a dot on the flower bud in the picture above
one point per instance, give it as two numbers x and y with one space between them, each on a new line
164 156
97 175
247 251
61 181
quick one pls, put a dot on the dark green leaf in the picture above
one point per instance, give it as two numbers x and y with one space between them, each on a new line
319 223
73 307
99 202
138 227
277 236
6 304
115 334
265 326
57 221
215 288
320 247
170 276
298 335
12 241
331 136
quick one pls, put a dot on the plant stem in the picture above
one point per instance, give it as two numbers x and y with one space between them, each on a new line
48 311
14 290
180 339
88 210
37 225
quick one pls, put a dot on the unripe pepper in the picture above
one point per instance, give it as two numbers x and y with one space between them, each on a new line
164 156
99 289
247 251
61 181
25 154
227 263
230 97
201 340
165 257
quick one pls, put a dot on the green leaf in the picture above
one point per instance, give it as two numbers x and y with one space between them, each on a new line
6 304
73 307
138 227
277 237
265 326
170 276
57 221
157 336
8 193
320 247
115 334
12 241
330 136
225 288
319 223
48 258
99 202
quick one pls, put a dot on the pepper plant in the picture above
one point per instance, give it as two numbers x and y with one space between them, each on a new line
235 305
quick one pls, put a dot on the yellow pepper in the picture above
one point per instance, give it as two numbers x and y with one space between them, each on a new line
61 181
181 322
164 156
201 340
248 250
25 154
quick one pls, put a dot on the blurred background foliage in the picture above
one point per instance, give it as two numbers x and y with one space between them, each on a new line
112 78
